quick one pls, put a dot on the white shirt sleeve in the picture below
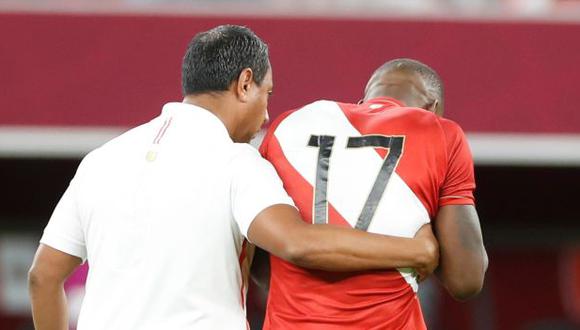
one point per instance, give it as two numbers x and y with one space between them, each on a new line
64 231
255 186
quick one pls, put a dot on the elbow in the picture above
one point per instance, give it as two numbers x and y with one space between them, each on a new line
465 290
302 251
467 284
39 279
298 247
35 279
295 253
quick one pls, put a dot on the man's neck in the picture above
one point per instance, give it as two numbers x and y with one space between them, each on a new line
218 104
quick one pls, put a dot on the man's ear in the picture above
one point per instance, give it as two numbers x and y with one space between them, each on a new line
435 107
438 108
244 84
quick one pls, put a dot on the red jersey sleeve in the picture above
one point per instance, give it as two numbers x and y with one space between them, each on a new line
459 182
263 149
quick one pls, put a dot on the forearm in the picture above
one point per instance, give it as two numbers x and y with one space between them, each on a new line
280 231
463 259
49 309
463 273
336 248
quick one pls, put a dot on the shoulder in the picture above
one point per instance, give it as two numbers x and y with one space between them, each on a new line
420 116
91 160
128 138
244 150
451 129
312 113
319 105
110 153
429 123
450 125
247 163
327 106
296 117
125 140
244 153
413 121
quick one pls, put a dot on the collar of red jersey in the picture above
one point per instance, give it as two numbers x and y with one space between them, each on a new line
386 101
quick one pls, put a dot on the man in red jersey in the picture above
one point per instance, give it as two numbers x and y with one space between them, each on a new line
388 165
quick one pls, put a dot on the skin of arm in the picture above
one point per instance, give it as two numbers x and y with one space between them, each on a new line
463 257
280 231
46 278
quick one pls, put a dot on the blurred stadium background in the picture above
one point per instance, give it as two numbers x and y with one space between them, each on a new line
75 73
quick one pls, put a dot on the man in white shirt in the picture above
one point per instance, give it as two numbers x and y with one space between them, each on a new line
162 212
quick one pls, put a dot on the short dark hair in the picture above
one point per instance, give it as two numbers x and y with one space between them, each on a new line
432 80
215 58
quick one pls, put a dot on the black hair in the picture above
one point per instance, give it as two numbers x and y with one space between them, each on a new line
215 58
432 80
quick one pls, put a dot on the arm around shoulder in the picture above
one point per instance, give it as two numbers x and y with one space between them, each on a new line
280 231
264 213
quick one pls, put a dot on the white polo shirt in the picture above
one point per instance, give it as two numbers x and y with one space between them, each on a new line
161 213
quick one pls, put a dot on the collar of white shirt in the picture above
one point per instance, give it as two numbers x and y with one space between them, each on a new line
198 116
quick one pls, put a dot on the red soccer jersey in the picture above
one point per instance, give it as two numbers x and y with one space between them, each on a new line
379 167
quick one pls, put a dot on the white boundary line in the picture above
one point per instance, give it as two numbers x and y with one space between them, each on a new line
488 148
346 9
525 149
53 142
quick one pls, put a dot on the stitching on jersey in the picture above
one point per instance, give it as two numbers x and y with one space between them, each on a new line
453 197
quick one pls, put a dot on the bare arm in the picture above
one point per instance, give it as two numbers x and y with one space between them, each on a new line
463 258
279 230
46 277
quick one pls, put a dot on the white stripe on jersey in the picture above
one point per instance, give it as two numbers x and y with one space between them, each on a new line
352 173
